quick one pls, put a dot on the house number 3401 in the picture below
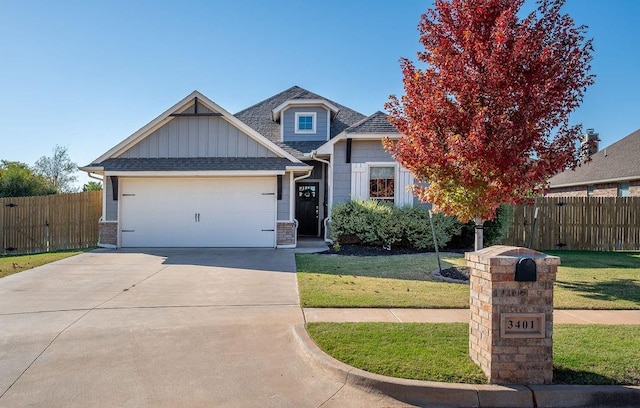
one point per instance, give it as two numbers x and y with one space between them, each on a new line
522 325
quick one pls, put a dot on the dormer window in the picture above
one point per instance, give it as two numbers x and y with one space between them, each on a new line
305 122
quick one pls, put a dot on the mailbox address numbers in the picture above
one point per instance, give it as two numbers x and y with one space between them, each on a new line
522 325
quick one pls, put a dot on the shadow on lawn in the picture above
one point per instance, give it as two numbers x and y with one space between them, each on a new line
597 260
617 289
564 375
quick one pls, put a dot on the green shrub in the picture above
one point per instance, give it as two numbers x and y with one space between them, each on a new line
373 223
495 231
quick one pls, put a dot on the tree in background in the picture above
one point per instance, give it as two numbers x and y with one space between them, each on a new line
478 119
19 180
92 186
58 169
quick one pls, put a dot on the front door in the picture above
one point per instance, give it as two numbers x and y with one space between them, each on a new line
307 208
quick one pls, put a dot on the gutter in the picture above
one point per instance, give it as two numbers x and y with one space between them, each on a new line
592 182
325 222
292 198
95 177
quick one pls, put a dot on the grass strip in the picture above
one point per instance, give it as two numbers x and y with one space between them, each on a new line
11 264
583 354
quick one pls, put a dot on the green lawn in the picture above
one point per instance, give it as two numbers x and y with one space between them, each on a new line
17 263
586 280
597 280
376 281
583 354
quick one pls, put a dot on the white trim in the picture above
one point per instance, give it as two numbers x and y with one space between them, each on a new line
395 166
292 207
184 104
204 173
118 208
289 246
296 128
298 168
327 148
104 199
595 182
277 111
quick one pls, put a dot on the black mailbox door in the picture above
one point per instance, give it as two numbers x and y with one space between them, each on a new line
526 270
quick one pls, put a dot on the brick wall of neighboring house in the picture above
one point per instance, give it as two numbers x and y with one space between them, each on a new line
108 233
599 190
286 233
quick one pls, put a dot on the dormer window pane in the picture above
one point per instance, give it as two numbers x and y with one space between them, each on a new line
305 122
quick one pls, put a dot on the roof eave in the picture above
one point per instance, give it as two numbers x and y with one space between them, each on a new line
591 182
275 113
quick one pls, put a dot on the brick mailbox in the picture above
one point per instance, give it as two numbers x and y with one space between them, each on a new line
511 325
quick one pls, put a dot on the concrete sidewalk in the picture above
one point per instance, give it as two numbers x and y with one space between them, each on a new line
459 315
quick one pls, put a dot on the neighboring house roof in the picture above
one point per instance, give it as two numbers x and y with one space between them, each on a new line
199 164
259 118
376 123
618 162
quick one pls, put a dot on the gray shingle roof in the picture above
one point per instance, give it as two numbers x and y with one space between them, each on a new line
259 118
197 164
376 123
620 160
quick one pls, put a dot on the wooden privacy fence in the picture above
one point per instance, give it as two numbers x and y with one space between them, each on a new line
49 223
584 223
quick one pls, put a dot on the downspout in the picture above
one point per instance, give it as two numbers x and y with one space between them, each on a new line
314 156
104 197
292 189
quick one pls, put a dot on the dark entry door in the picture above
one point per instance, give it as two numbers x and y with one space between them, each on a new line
307 208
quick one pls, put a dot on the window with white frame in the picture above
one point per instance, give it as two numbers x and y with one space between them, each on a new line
305 122
382 184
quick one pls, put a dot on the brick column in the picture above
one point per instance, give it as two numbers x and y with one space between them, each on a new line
511 326
286 233
108 233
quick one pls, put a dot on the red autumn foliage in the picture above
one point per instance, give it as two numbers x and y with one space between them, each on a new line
478 119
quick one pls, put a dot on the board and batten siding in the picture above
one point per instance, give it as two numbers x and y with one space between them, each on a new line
288 122
209 136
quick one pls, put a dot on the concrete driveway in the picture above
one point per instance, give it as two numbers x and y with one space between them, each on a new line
161 328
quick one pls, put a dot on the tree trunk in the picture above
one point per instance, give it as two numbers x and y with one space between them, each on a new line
479 242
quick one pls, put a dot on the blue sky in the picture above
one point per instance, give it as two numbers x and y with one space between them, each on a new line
86 74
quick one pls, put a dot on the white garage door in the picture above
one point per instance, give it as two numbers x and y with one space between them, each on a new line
198 212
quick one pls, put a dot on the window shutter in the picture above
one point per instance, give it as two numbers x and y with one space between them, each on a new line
359 181
403 192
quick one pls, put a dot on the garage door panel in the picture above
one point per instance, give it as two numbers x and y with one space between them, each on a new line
198 212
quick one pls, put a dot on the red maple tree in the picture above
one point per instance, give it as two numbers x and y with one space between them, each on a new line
486 121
